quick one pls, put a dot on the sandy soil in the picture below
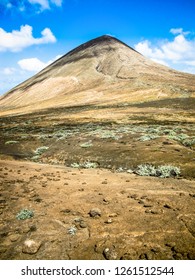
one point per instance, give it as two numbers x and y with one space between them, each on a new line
131 217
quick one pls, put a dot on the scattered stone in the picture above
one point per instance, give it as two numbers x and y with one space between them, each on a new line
134 196
25 229
109 221
191 255
167 143
104 182
66 211
178 256
82 224
155 212
177 150
148 205
143 257
141 201
106 200
14 237
14 198
167 206
38 199
4 233
78 219
170 244
33 228
112 215
182 194
110 254
3 249
192 194
31 247
95 212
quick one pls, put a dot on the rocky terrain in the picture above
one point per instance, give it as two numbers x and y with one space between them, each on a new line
97 159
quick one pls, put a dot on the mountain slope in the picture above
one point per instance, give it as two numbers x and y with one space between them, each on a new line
101 71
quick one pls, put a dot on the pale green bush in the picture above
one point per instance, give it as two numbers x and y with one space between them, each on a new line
162 171
25 214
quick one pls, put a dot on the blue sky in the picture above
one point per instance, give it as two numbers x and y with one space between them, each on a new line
33 33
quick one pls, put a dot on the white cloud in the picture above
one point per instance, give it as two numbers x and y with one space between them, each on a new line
43 3
34 64
23 5
192 63
160 61
57 2
17 40
176 31
175 53
31 64
8 71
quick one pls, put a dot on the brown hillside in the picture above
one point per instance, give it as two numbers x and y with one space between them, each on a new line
101 71
97 159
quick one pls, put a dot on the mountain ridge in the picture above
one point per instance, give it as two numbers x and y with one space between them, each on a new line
102 70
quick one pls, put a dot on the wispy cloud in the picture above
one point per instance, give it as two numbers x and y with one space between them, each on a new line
8 71
57 2
44 4
177 53
19 39
23 5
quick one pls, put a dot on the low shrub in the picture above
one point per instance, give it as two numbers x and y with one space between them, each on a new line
86 145
24 214
146 170
72 230
89 164
11 142
86 164
75 165
179 137
163 171
189 142
148 137
41 150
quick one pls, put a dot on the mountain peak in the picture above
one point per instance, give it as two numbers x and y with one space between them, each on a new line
99 41
101 70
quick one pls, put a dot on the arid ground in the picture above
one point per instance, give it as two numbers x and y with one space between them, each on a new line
97 159
63 167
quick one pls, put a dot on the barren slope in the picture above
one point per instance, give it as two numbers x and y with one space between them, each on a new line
101 71
137 218
88 132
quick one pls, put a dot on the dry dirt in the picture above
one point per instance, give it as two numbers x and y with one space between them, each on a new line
137 217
